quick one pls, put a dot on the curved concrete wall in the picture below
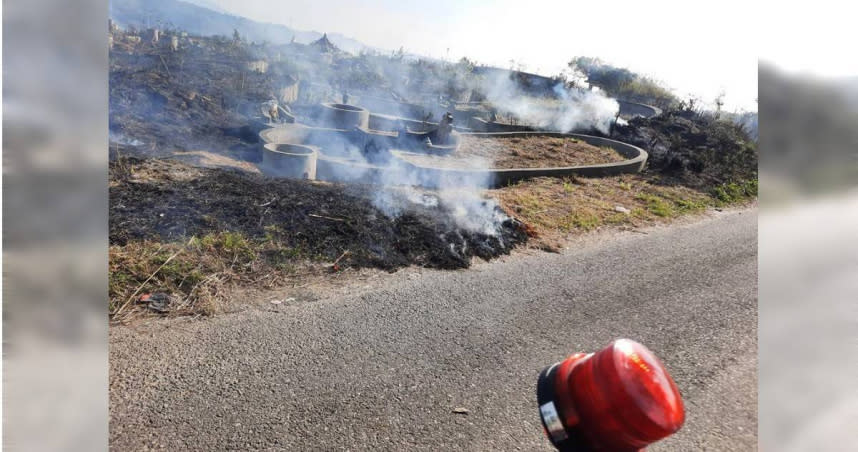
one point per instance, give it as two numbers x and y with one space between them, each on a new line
416 140
390 107
340 155
286 133
289 160
384 122
301 134
342 116
634 163
411 115
630 109
393 123
339 170
481 125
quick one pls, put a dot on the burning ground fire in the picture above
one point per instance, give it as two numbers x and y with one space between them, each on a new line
195 232
347 143
400 155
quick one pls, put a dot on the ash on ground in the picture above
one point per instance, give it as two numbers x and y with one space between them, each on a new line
695 150
387 228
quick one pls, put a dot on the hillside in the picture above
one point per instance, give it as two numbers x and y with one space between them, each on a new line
204 21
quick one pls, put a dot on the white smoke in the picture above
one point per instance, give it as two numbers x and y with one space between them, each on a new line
468 209
459 194
573 109
473 212
403 186
399 186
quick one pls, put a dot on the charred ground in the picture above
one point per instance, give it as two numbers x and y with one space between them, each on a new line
196 232
693 149
196 98
169 201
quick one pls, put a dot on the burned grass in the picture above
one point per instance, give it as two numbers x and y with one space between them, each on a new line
534 151
694 150
198 97
194 232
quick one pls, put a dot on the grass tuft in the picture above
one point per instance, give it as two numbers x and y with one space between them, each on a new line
733 192
199 273
657 205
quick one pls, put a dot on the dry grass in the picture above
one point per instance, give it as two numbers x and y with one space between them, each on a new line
211 160
558 207
534 151
199 274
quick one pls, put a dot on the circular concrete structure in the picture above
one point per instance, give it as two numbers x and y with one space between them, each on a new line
344 116
635 159
433 175
354 154
289 160
417 140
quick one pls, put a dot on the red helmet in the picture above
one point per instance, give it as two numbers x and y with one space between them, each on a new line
619 399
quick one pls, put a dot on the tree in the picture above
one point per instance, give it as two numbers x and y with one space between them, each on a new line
466 65
719 102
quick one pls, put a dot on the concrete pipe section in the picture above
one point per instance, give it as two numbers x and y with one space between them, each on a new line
345 117
289 160
348 151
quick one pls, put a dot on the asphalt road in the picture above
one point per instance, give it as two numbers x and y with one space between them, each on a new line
383 369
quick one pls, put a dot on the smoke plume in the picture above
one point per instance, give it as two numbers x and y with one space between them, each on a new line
569 109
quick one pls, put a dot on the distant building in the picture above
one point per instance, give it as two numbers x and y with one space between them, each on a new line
324 45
